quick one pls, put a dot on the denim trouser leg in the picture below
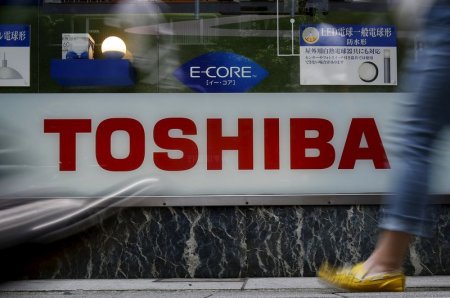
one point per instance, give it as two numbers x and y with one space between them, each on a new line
428 111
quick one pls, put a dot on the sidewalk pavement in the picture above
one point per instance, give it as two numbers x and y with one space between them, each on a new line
434 286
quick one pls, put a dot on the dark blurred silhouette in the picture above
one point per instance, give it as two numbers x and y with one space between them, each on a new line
425 115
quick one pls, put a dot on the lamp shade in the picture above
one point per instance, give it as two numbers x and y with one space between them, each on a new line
8 73
114 48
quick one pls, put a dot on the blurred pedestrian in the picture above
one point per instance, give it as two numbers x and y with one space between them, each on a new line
427 114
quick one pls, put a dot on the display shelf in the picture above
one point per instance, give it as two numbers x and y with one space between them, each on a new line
86 72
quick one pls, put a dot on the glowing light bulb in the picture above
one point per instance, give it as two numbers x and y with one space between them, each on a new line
114 48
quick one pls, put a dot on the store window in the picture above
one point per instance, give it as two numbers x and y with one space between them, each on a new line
160 37
200 97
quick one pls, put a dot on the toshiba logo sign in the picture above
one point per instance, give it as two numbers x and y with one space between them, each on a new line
197 144
242 142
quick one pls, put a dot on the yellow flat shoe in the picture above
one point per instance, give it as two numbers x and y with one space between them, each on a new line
355 279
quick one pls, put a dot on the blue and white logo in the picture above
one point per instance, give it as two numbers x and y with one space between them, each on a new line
220 72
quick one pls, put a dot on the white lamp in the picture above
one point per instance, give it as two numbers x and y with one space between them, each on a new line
114 48
8 73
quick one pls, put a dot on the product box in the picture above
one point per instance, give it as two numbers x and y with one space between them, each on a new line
77 46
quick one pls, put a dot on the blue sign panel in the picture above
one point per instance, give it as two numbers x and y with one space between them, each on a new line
220 72
15 36
348 35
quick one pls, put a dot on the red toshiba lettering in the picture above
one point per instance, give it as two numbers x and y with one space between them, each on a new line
310 143
163 140
243 143
272 144
136 155
67 129
300 143
359 128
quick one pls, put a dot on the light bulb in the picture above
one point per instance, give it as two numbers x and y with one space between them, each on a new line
114 48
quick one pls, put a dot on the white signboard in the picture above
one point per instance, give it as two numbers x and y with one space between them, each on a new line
348 55
199 144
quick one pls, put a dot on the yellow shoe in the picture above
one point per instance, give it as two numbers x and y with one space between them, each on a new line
356 279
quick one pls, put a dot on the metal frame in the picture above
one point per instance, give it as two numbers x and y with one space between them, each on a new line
253 200
264 200
234 200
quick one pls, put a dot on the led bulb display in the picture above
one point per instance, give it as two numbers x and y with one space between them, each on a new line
114 48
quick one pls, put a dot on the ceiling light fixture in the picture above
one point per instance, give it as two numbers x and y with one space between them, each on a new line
8 73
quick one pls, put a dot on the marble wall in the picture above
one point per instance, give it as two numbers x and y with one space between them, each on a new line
220 242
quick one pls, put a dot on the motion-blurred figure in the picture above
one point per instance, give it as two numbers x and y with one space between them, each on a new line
427 113
154 58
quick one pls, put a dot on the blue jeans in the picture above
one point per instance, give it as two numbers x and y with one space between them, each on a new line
426 114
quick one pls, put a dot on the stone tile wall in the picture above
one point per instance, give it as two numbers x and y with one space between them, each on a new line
221 242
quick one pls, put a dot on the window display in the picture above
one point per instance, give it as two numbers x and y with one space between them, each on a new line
159 37
202 97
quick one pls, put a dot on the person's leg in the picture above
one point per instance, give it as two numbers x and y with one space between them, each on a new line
406 214
428 112
389 254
